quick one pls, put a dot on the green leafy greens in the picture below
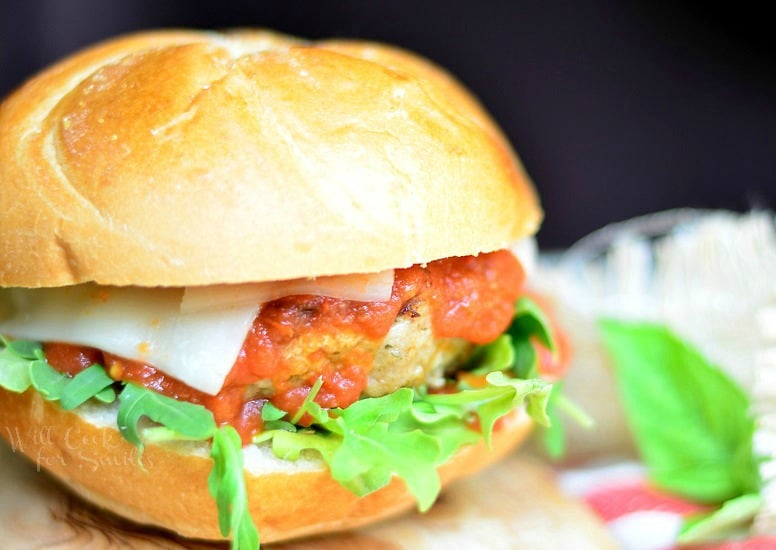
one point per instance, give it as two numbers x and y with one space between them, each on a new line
515 353
730 520
23 366
227 485
407 433
514 350
692 424
186 420
16 361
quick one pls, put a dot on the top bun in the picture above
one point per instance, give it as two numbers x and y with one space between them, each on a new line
190 158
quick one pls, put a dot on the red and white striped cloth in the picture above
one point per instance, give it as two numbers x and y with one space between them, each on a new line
639 516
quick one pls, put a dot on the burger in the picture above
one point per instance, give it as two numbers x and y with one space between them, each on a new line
253 284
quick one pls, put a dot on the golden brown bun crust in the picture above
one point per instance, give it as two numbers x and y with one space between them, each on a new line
188 158
101 466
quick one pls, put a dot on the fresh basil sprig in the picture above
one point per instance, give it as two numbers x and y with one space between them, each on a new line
731 520
692 423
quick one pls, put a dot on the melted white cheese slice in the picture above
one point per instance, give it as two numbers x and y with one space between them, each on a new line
193 334
197 347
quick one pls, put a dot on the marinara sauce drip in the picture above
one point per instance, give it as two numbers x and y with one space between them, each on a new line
470 297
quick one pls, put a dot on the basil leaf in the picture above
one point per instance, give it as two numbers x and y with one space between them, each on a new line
83 386
691 422
227 486
192 421
732 519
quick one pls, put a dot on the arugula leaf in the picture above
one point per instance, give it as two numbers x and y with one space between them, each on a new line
554 436
528 323
83 386
309 405
691 422
270 412
108 395
16 358
531 320
227 486
23 348
364 448
498 398
733 518
450 425
273 418
289 445
498 355
371 451
186 421
191 421
406 433
23 364
514 350
49 382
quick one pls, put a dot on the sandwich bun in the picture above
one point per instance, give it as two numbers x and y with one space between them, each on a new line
139 162
87 453
176 158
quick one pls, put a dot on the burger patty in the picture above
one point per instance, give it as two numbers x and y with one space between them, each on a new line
411 355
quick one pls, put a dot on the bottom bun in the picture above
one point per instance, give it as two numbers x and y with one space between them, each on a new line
287 499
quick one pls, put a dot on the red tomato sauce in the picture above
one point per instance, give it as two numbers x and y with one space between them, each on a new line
471 297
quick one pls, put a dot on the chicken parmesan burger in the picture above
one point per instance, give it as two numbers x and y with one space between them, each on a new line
253 284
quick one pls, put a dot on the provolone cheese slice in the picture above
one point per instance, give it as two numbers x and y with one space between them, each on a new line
369 287
192 334
197 347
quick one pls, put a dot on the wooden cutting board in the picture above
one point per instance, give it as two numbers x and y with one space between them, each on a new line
514 504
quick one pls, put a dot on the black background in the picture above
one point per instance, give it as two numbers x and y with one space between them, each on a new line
616 108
